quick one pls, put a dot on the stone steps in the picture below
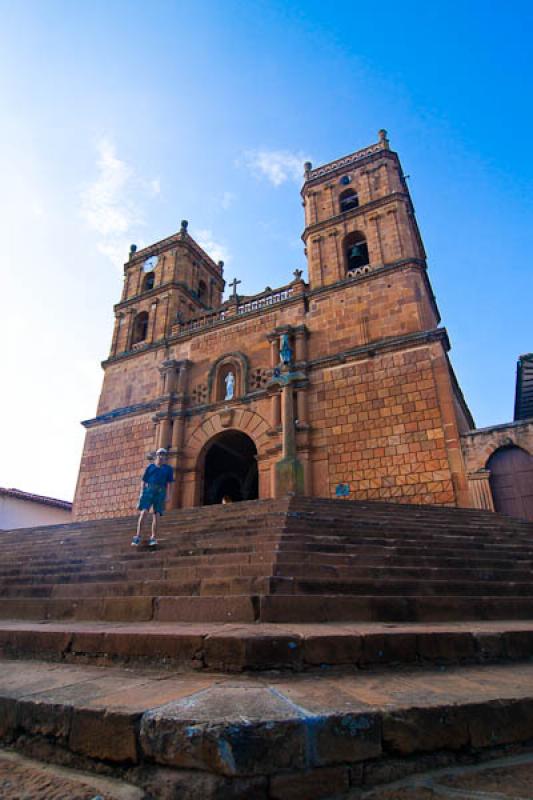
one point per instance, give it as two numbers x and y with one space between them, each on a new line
278 561
240 647
280 608
267 738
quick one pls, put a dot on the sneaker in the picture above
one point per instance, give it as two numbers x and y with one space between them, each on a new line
152 543
135 542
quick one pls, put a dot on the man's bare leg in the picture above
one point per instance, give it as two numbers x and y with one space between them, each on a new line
140 521
154 526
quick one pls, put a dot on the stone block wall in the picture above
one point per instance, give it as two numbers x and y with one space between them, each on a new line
378 425
114 458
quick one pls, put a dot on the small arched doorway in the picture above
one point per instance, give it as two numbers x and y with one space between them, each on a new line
511 481
230 468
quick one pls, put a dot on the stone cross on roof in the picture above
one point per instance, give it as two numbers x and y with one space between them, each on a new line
234 283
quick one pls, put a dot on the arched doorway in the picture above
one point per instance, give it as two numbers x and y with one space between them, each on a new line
230 468
511 481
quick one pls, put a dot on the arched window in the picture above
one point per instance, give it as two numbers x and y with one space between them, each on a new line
356 251
148 281
202 292
140 328
348 200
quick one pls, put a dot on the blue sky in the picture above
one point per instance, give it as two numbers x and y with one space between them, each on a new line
121 118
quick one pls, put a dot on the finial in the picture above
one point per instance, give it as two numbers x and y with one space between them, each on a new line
184 226
383 137
297 274
133 250
307 168
220 265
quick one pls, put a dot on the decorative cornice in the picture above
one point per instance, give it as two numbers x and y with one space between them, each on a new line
366 155
383 346
359 211
117 413
163 287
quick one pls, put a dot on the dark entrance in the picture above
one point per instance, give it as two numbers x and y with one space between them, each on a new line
511 481
230 468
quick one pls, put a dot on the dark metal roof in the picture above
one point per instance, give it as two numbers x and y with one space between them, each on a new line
523 406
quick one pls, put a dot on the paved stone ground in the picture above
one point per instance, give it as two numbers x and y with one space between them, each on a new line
25 779
505 779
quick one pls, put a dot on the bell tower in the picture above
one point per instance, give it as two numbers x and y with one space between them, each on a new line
358 215
167 282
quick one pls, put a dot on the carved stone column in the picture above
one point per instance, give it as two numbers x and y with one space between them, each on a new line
300 344
393 215
275 400
334 245
480 491
301 407
178 386
116 333
164 432
289 474
375 219
129 330
153 319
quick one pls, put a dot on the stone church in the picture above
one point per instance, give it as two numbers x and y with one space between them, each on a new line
340 383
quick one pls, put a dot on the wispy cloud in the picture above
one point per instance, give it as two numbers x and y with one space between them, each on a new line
206 240
277 166
111 204
227 200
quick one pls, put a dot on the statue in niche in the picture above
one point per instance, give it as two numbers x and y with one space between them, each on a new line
285 350
229 380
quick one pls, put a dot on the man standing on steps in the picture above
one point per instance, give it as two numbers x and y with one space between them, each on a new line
155 481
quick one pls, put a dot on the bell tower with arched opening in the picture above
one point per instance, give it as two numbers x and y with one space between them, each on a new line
358 215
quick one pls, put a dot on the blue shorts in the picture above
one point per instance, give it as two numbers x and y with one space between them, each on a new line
152 496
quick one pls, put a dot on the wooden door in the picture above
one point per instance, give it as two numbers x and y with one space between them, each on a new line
511 481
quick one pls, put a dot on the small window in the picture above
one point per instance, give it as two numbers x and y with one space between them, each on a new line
356 251
148 282
348 200
140 328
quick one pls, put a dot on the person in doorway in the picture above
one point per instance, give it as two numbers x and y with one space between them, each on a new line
155 481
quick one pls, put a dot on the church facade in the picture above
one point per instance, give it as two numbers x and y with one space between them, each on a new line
342 380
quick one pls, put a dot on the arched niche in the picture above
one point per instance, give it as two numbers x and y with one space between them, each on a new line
148 282
140 328
217 382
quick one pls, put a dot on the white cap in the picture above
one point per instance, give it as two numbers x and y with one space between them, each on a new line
161 452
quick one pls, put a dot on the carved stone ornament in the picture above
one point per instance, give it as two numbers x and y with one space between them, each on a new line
226 417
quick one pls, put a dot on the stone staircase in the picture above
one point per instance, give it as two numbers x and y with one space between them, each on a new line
286 648
292 560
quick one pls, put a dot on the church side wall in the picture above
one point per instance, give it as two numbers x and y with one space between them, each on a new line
114 458
378 426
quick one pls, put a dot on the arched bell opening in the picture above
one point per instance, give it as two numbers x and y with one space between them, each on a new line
355 252
230 469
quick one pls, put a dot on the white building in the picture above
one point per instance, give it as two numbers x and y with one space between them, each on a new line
23 510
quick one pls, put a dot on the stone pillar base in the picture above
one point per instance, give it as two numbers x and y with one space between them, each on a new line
289 476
